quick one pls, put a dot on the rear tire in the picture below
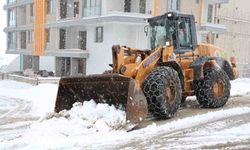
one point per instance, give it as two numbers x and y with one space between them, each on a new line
214 90
162 88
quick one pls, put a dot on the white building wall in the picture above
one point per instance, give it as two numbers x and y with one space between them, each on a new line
47 63
100 54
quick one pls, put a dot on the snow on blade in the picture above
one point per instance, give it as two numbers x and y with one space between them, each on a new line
100 117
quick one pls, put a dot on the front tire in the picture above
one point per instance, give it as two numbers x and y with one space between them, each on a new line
214 90
162 88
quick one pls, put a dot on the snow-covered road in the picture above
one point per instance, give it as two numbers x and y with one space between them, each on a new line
15 118
25 125
202 128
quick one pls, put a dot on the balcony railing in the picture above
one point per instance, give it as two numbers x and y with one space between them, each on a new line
220 1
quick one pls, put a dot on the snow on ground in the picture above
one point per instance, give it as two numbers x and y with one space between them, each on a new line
42 96
240 87
95 126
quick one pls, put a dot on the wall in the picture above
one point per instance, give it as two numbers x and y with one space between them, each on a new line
236 16
47 63
114 33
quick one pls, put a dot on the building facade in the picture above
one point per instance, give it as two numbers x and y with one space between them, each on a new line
236 16
74 37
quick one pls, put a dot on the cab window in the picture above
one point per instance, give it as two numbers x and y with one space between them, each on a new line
184 33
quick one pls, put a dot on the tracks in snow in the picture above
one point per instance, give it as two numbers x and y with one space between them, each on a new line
15 117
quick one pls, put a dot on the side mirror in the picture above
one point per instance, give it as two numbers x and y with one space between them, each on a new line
146 30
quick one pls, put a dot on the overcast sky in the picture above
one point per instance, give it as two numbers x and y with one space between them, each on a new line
2 25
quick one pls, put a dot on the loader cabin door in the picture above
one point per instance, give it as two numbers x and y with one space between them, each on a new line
186 35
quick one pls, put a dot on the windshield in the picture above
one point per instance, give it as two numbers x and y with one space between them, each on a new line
161 31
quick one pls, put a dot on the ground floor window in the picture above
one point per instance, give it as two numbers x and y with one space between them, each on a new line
81 66
68 66
27 62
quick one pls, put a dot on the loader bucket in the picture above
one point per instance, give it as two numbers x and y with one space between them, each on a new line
113 89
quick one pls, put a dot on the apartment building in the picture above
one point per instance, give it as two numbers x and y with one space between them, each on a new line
74 37
236 16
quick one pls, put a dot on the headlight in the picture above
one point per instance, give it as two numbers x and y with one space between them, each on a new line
168 43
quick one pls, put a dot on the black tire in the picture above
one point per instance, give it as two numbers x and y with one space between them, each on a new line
162 88
183 99
214 90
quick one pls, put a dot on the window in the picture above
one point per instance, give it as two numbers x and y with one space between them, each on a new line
63 9
11 40
92 8
31 36
11 17
82 66
47 38
99 35
65 66
47 35
62 40
49 6
142 6
76 9
127 5
82 40
218 21
210 13
31 10
27 62
23 40
175 5
11 1
184 33
22 11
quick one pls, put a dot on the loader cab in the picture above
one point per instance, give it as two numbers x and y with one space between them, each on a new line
177 28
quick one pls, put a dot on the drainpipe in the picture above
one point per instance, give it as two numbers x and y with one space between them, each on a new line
21 62
156 2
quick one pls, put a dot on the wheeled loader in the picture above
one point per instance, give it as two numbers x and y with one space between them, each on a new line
157 81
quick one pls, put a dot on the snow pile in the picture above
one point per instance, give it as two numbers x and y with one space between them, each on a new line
240 87
95 117
67 127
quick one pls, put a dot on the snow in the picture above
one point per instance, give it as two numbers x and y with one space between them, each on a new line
240 87
98 126
81 121
42 96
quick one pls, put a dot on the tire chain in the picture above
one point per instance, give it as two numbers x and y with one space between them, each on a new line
155 93
204 90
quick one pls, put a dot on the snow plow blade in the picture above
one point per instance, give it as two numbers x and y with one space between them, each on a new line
113 89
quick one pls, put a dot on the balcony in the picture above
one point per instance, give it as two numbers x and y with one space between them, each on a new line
215 28
68 53
219 1
17 3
